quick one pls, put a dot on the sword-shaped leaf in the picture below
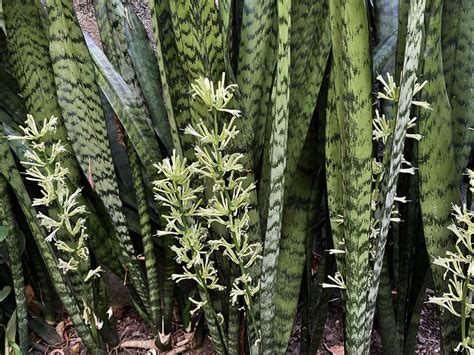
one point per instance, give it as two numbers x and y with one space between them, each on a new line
277 159
256 64
309 30
146 68
350 41
458 63
439 178
134 120
310 46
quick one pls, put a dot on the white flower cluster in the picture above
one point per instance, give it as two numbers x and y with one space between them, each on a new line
382 130
67 226
43 166
459 265
227 204
175 192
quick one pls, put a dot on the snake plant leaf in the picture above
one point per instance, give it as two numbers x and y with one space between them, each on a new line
137 125
44 331
3 233
199 46
315 298
439 180
277 159
309 56
384 55
385 19
403 9
198 38
173 81
4 292
146 68
120 30
354 90
7 219
79 99
333 164
306 73
31 67
396 148
410 239
417 299
257 57
458 63
12 104
298 219
385 312
147 237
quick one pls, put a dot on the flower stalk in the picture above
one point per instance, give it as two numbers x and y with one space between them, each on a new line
226 205
66 218
459 265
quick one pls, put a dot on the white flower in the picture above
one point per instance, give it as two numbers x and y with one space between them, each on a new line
382 128
390 88
338 281
93 273
214 99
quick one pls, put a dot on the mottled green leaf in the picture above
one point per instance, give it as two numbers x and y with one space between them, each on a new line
2 20
146 68
352 66
172 77
439 178
257 58
310 46
3 233
123 101
277 163
4 292
306 73
458 62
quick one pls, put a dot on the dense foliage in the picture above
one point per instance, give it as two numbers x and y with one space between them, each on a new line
328 164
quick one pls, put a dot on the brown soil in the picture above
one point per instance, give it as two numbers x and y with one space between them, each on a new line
136 338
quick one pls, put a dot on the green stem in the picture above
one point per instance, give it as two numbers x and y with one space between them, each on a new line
148 245
464 336
218 154
217 333
85 292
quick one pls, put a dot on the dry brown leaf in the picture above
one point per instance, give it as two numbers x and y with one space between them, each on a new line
29 294
60 328
75 349
336 350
